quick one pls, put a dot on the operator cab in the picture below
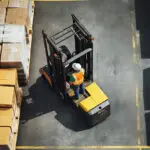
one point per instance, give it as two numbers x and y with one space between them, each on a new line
66 55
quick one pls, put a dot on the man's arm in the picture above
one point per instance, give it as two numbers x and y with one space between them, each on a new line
83 71
72 79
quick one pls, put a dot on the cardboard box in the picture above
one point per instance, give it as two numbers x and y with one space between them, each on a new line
8 119
19 97
18 3
7 97
8 100
8 77
14 56
21 13
6 138
11 56
30 16
0 49
1 33
14 33
2 15
18 16
4 3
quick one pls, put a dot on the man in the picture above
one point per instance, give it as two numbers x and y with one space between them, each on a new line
77 80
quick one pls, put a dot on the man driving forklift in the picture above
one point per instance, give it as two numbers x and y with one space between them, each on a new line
77 80
93 103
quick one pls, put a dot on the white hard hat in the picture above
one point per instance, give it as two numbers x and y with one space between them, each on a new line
76 66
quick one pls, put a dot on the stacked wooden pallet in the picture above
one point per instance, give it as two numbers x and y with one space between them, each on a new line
10 103
16 19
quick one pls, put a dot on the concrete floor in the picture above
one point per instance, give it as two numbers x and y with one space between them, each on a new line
45 120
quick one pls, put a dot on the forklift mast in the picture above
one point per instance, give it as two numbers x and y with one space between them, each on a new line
83 53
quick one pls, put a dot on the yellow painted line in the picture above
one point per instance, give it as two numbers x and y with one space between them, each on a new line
137 96
138 116
81 147
134 38
138 130
132 32
57 0
133 45
137 37
133 42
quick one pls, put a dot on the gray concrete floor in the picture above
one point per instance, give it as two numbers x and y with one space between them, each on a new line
45 120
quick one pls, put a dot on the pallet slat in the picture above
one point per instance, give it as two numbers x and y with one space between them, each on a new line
29 45
19 110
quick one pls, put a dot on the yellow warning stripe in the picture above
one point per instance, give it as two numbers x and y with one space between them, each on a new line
138 116
134 36
57 0
82 147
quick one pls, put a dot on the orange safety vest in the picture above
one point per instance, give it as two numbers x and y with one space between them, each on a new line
79 77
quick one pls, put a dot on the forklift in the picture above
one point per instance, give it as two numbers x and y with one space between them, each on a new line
94 104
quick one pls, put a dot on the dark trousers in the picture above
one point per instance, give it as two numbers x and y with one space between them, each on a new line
78 89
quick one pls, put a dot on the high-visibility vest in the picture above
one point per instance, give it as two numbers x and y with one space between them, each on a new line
79 77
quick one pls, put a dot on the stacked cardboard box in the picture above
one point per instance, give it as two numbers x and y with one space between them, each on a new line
16 36
2 15
10 103
4 3
8 77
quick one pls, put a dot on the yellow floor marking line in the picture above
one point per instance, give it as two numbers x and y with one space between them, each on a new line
137 96
57 0
137 38
138 116
138 130
134 38
80 147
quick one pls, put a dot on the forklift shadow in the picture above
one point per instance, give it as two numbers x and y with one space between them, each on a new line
41 100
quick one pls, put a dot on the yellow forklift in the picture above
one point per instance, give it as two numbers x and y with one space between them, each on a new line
94 104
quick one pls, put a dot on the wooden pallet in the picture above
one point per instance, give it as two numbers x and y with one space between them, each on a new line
19 110
33 4
16 132
24 77
29 54
30 46
29 30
